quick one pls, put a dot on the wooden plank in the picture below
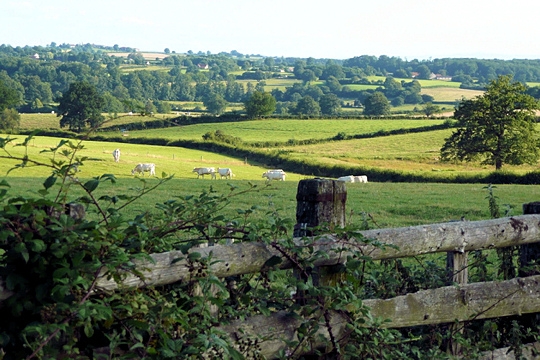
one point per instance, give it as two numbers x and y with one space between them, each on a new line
443 305
247 258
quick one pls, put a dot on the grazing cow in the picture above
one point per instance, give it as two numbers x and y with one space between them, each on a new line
225 173
360 178
142 168
277 174
116 155
348 178
205 171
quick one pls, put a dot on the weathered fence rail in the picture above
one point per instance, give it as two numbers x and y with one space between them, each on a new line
459 302
245 258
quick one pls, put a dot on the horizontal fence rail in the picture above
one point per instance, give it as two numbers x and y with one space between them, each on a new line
246 258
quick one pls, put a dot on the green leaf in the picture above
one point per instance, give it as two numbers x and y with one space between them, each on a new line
91 185
194 256
50 181
37 245
60 272
88 330
21 249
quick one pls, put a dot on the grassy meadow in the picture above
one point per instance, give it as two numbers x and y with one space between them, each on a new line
282 130
447 94
390 204
171 160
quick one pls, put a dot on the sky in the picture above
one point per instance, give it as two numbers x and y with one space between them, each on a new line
339 29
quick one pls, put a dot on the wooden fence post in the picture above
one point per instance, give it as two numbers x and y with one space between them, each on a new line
529 254
457 269
320 201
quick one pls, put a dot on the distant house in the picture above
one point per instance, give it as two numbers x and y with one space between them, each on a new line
202 66
35 56
440 77
414 74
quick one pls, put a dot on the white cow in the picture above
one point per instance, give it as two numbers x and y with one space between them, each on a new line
142 168
225 173
201 171
116 155
348 178
360 178
277 174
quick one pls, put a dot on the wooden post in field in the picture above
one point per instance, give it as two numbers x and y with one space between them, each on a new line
457 269
529 254
320 201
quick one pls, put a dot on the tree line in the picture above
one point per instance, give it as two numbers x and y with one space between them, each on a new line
41 74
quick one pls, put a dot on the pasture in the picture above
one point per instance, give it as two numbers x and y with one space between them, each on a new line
51 121
172 160
283 130
448 94
407 153
388 204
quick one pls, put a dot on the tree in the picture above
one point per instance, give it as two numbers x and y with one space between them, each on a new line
496 128
80 105
308 76
330 104
215 104
8 96
9 119
376 104
260 104
429 109
308 106
423 72
333 84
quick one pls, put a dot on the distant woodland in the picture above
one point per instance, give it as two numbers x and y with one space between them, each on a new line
129 79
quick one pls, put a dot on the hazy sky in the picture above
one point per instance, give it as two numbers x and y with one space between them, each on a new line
339 29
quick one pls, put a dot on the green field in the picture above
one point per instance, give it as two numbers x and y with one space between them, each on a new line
51 121
450 94
172 160
391 204
282 130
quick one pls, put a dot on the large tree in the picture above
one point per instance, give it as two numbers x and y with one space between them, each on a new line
496 128
8 96
80 105
308 106
260 104
376 104
9 119
330 104
215 103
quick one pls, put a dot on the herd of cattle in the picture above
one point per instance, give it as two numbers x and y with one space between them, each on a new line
276 174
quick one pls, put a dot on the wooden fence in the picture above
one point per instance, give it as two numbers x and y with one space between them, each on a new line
321 200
